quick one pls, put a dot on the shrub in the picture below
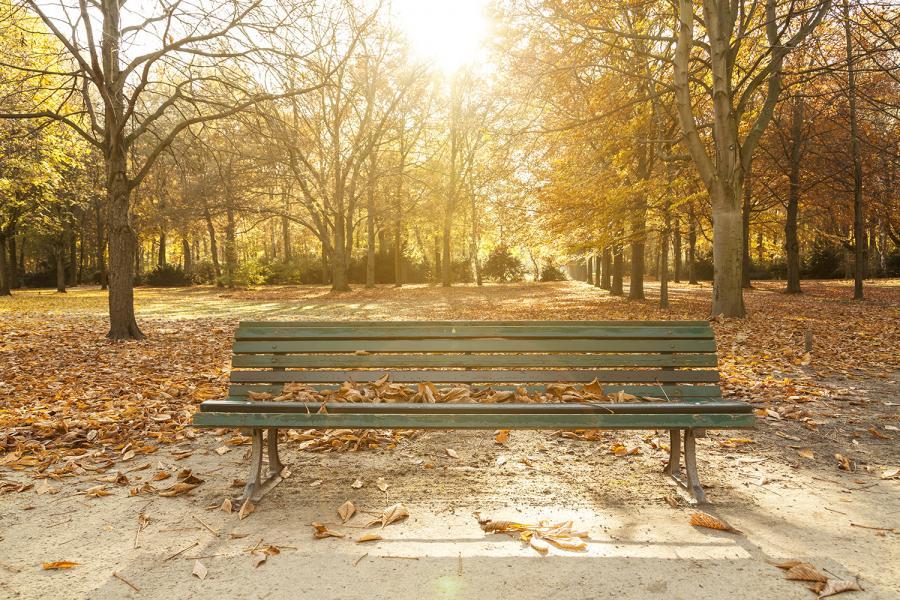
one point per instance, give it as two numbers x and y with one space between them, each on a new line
825 261
502 266
550 272
203 272
168 276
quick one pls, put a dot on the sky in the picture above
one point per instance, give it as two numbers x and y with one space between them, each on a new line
449 33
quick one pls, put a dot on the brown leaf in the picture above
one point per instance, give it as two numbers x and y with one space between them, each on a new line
451 453
392 514
321 532
806 453
357 484
699 519
246 509
539 544
199 571
368 537
805 572
346 510
837 586
177 489
501 436
59 564
227 506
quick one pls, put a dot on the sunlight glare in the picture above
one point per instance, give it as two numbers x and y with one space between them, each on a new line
449 33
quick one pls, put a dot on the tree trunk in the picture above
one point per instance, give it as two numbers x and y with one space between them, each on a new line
728 297
161 259
597 270
230 243
676 249
589 270
692 249
213 245
438 267
617 271
4 269
746 263
446 275
858 241
791 241
398 250
370 233
12 268
636 284
664 257
286 232
72 274
186 253
101 245
607 268
60 267
122 244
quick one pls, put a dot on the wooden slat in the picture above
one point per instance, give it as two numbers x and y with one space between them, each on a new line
238 390
245 406
488 323
399 361
416 331
476 345
480 376
475 421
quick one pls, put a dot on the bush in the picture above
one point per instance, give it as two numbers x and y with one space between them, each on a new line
203 272
703 266
502 266
825 261
550 272
167 276
249 272
892 268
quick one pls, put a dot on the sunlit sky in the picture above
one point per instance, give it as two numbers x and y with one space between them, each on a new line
451 33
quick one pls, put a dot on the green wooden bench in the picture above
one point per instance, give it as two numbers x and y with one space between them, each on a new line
671 362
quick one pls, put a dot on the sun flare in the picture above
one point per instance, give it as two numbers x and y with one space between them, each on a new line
449 33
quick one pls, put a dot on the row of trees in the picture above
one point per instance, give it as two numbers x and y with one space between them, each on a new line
300 140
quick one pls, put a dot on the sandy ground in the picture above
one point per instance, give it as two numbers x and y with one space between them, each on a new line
641 543
640 546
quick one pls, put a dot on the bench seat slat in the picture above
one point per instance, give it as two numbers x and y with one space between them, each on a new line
653 391
474 421
479 376
414 331
473 345
450 323
245 406
484 361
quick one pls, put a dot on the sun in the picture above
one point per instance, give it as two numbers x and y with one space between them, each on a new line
448 33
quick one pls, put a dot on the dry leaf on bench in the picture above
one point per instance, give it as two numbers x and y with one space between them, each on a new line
199 570
60 564
321 532
699 519
346 510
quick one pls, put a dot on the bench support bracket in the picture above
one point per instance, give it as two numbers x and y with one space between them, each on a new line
691 481
257 484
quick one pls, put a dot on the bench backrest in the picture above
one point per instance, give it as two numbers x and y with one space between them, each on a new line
672 360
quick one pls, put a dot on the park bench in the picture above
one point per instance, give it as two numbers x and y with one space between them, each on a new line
668 366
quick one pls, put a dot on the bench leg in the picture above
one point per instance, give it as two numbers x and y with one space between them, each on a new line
257 486
673 467
691 482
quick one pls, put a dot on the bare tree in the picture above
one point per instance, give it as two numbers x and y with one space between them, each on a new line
146 75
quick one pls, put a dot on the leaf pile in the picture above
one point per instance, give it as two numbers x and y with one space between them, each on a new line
815 580
539 536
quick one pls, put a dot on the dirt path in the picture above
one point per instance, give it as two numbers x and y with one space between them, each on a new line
779 484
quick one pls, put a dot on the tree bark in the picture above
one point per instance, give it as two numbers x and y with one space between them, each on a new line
438 267
72 273
446 275
4 268
161 258
746 262
607 268
370 225
186 254
230 243
589 268
791 240
858 235
60 255
12 268
617 271
636 283
664 257
597 270
676 249
213 245
122 244
101 245
692 249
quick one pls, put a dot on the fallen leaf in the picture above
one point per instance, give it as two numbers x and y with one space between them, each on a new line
346 510
368 537
226 506
177 489
199 570
321 532
539 544
837 586
501 436
699 519
805 572
381 484
246 509
890 473
258 558
451 453
806 453
357 484
60 564
391 514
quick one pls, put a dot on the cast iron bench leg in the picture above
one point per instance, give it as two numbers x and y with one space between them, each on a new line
256 487
692 481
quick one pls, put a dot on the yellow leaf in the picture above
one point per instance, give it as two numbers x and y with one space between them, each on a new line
699 519
805 572
346 510
60 564
368 537
501 436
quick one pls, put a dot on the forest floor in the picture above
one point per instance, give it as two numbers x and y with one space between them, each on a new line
91 431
